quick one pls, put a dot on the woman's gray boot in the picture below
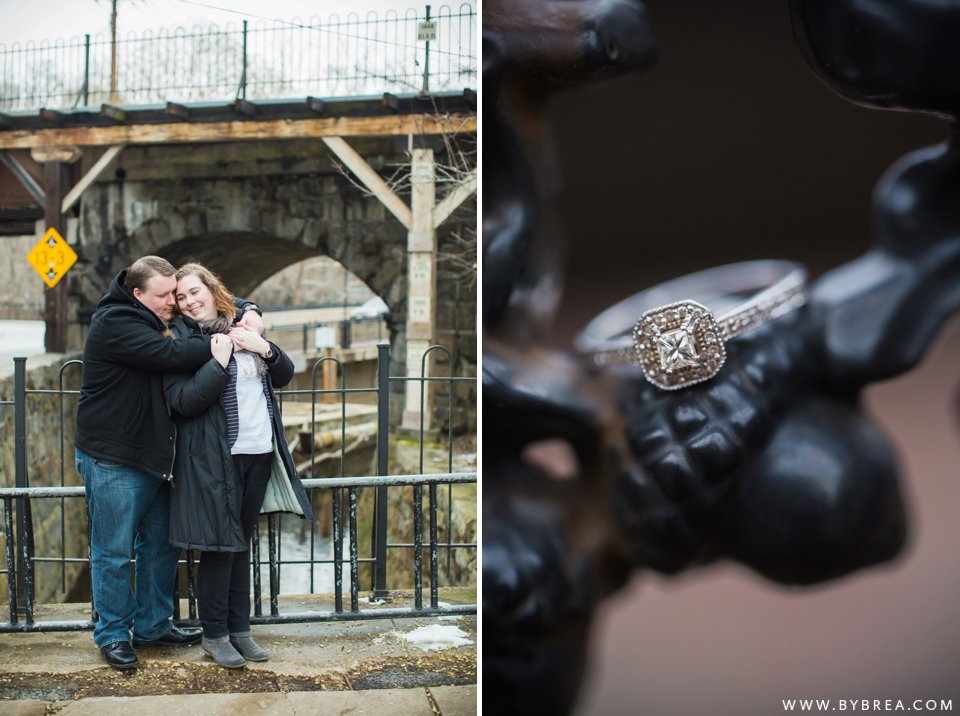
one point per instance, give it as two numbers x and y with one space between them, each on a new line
223 652
250 649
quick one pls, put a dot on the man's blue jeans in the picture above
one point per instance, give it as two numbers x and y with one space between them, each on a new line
129 508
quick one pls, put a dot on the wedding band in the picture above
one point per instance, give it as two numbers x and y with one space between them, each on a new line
676 339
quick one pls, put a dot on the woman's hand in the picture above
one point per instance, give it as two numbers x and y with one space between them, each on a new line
247 340
221 347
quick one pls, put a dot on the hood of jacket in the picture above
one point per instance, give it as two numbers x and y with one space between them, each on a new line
117 296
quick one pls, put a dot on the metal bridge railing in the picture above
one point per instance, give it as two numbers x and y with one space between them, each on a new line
349 55
22 559
310 337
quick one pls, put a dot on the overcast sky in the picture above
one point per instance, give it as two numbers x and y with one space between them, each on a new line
23 20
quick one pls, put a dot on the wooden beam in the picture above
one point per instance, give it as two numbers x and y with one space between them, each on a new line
180 133
421 325
365 173
446 206
67 155
91 176
23 176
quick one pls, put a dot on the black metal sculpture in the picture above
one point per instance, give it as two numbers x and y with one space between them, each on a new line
723 469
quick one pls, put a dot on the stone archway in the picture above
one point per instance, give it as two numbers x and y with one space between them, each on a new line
245 229
247 226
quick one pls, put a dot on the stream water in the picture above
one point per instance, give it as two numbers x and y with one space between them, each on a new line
295 547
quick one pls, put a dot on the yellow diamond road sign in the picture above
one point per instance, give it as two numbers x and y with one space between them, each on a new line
52 257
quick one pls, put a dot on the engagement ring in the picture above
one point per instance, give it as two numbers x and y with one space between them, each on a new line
678 341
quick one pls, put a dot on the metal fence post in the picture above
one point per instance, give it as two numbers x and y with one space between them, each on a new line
11 557
24 533
256 562
383 435
86 71
242 89
20 419
85 87
425 90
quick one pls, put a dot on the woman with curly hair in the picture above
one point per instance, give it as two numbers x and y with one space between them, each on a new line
232 461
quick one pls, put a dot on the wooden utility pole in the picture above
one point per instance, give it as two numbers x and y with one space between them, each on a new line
57 183
113 52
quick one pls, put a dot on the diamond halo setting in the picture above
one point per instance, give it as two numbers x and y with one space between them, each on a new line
677 341
679 345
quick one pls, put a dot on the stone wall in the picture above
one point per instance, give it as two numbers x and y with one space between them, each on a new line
246 229
457 321
21 291
45 443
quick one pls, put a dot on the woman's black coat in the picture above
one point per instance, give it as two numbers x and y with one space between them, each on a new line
205 499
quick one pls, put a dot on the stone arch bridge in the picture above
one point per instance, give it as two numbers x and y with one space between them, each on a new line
250 197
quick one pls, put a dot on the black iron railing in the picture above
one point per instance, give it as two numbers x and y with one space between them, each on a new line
22 558
349 55
311 337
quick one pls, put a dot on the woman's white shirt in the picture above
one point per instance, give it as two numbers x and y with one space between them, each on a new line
255 435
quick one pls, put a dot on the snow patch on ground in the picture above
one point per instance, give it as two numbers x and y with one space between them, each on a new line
436 636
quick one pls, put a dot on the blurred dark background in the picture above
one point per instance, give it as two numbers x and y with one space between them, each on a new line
730 149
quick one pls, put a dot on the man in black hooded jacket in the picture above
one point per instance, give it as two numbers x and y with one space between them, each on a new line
125 450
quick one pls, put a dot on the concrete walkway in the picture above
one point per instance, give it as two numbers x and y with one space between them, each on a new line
446 700
376 666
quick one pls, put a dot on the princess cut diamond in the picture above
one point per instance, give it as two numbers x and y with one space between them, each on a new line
669 341
678 349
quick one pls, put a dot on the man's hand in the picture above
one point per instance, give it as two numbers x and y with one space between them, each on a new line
252 322
247 340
